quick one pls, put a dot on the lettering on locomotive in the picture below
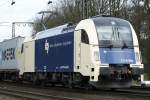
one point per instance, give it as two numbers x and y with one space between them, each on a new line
8 54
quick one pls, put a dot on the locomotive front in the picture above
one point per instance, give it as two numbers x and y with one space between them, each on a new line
116 49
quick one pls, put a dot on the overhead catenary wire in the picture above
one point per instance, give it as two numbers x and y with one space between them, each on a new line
4 23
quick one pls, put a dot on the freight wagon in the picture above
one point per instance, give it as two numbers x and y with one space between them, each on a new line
10 58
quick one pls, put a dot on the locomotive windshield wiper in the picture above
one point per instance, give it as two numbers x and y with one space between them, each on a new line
118 33
113 33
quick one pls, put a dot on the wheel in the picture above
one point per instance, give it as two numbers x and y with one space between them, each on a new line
68 84
142 85
89 87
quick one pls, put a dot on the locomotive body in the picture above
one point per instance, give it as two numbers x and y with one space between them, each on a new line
99 51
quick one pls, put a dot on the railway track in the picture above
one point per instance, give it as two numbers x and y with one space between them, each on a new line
60 93
134 92
32 95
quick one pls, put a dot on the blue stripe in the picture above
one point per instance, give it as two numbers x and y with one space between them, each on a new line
117 56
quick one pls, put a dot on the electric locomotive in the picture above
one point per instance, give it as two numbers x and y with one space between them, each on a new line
99 51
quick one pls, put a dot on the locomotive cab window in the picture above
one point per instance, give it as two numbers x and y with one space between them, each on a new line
84 37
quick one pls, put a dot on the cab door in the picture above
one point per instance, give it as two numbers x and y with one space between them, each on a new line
82 53
77 50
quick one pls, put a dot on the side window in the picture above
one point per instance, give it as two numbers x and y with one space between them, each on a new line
84 37
22 47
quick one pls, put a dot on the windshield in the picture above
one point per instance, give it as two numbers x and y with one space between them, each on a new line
113 32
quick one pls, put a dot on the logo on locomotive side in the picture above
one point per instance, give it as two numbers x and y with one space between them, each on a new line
46 46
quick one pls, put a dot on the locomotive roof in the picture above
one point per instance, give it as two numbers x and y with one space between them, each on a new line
54 31
64 28
95 19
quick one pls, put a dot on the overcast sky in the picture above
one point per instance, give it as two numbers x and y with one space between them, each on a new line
22 10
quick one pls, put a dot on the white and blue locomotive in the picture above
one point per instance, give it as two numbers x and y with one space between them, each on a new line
99 51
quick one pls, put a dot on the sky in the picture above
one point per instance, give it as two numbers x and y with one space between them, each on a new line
21 11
